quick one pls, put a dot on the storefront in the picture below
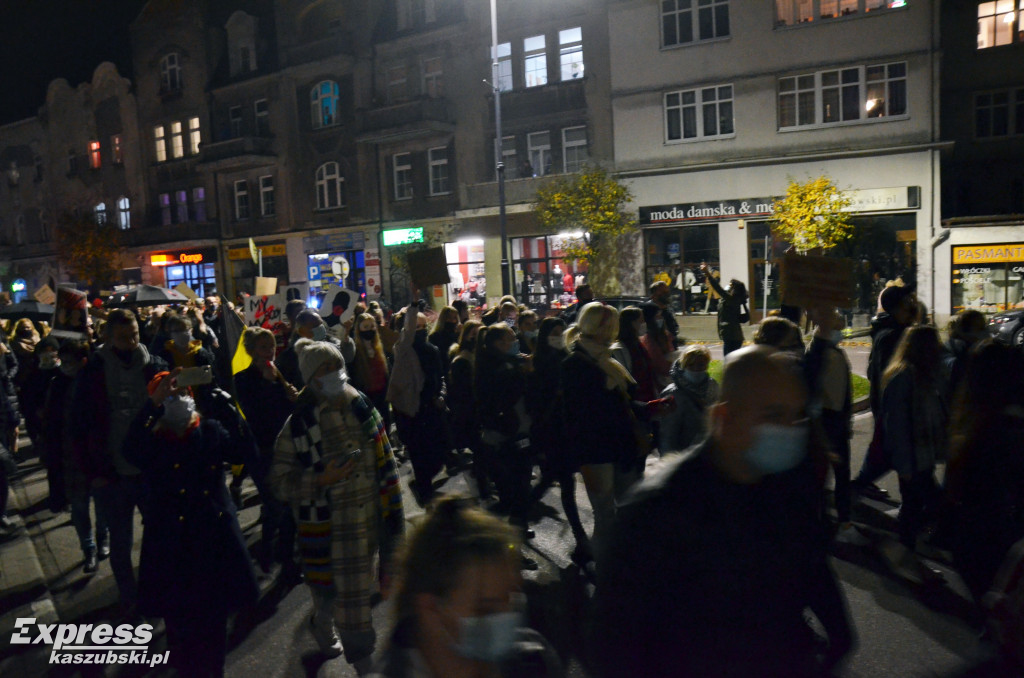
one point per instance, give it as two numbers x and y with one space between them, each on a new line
467 271
544 278
987 277
196 268
242 271
338 260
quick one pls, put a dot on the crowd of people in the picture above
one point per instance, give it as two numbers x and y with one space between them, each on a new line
708 567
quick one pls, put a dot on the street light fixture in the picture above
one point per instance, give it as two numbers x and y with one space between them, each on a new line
498 156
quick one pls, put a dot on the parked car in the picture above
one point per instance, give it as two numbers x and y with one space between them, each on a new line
1007 327
620 303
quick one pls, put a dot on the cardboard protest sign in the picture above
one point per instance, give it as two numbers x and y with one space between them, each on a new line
809 281
268 310
428 268
266 287
338 307
186 290
45 295
70 314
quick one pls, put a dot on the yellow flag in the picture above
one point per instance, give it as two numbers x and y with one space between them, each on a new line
241 359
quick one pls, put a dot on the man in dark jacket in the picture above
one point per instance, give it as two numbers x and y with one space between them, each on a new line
661 296
584 295
899 311
713 561
110 391
309 325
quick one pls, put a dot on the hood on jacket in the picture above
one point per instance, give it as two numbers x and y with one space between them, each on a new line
883 321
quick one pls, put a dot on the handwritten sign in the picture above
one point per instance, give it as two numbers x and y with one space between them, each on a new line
45 295
817 281
268 311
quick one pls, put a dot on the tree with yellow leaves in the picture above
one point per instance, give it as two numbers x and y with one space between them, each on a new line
91 251
592 203
811 215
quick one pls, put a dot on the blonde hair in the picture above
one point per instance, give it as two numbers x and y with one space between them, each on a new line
253 335
597 321
692 353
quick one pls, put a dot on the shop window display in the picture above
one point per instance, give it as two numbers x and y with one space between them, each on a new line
543 278
466 272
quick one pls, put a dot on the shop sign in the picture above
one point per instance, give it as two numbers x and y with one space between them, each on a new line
372 270
336 242
176 258
241 253
401 236
988 254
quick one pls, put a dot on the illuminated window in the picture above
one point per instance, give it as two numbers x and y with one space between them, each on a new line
160 143
94 155
687 21
116 150
170 73
843 96
439 179
699 113
574 149
324 99
194 136
100 213
998 23
403 176
267 196
177 141
330 187
570 43
535 61
241 200
124 213
790 12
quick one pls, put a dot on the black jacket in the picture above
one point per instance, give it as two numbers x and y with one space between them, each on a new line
885 337
264 404
500 385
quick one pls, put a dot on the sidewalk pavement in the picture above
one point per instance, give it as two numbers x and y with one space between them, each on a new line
703 329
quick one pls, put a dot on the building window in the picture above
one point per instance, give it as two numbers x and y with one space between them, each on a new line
396 82
570 42
177 141
199 204
165 209
686 21
992 114
413 13
325 104
403 176
262 117
329 187
94 155
535 61
844 95
433 82
791 12
100 213
698 113
574 148
116 150
181 206
998 23
245 61
241 200
505 67
194 136
508 157
544 275
235 121
539 150
267 196
170 73
72 163
124 213
160 145
439 181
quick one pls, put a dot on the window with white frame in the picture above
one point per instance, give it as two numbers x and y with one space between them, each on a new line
241 199
199 204
95 162
170 73
433 77
177 141
440 183
999 113
570 48
402 168
699 113
504 67
843 95
164 201
999 23
791 12
396 83
181 206
687 21
535 61
324 99
116 150
235 121
160 143
195 137
574 149
262 112
330 193
267 196
124 213
538 146
100 213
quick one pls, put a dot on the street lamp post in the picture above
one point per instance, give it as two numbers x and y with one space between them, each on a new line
499 157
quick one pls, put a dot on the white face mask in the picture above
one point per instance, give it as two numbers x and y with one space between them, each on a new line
557 341
333 384
181 339
178 411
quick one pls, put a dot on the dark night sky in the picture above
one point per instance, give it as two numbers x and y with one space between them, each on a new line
45 39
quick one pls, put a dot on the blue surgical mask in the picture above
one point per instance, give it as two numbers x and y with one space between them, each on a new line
531 334
320 332
695 377
488 638
777 448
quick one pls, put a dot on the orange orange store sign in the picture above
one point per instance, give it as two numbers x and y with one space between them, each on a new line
170 259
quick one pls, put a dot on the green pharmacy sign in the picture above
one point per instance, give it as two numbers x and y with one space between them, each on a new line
402 236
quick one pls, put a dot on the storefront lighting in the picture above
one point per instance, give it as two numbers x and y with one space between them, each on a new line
1009 17
401 236
870 104
470 242
575 235
18 285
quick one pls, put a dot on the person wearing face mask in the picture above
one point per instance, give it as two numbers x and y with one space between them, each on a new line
33 394
967 329
458 609
584 295
462 404
416 392
370 371
444 334
782 334
661 297
527 332
182 349
630 349
309 325
194 569
718 554
63 460
694 391
108 394
334 466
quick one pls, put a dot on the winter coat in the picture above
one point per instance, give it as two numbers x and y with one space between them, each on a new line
407 376
500 397
264 404
687 424
730 309
462 404
885 337
194 556
915 417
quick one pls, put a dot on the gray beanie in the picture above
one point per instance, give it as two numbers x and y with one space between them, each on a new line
313 354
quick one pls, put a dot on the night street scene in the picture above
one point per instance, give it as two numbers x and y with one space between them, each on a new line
512 338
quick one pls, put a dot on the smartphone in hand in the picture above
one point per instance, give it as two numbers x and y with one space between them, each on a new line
195 376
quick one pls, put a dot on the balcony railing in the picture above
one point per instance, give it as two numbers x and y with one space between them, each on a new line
238 153
408 118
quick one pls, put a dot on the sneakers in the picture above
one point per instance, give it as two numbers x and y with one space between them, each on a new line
873 491
849 534
325 635
91 562
104 550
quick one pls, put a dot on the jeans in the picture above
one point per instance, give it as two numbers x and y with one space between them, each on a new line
117 501
357 645
83 523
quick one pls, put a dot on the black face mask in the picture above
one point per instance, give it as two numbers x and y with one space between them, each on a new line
367 335
421 336
449 326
